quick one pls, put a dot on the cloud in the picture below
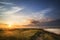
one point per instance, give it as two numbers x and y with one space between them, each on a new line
8 13
35 23
9 8
5 9
49 24
12 10
41 14
1 7
14 13
6 3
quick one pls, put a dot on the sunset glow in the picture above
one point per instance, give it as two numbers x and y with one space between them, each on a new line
9 25
21 13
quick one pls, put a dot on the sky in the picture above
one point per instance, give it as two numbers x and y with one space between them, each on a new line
22 11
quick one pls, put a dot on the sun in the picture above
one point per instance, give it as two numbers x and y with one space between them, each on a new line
17 24
9 24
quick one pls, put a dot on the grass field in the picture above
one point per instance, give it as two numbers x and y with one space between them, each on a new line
27 34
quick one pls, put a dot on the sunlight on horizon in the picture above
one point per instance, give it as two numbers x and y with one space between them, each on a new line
13 25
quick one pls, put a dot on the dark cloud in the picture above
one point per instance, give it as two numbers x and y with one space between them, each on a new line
49 24
1 4
35 22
